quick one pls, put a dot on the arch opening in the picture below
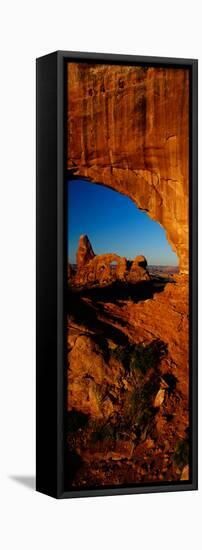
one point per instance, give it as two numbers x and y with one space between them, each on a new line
115 225
113 266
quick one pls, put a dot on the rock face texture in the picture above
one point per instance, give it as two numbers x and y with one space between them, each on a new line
105 268
128 394
89 377
128 129
141 261
85 252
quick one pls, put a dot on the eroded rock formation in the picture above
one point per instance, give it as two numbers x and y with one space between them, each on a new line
89 377
128 129
128 388
85 252
105 268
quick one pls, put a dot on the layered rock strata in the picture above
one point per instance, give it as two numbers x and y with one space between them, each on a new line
128 129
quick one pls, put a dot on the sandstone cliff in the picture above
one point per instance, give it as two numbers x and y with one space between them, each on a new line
128 129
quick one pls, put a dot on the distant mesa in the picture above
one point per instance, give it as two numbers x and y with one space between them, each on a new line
104 269
163 270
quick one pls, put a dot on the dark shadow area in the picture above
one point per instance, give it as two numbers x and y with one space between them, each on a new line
84 313
117 291
75 420
85 304
74 463
171 381
27 481
136 357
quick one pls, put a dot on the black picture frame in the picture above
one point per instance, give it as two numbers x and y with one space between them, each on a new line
51 269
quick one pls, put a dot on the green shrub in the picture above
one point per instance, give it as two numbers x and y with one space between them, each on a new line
181 454
139 357
104 432
141 405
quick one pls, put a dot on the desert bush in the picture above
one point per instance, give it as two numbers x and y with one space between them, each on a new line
181 454
104 432
141 409
137 357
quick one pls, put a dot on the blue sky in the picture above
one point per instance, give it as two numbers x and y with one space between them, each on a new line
113 224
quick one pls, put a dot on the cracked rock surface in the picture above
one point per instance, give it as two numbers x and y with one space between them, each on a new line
128 129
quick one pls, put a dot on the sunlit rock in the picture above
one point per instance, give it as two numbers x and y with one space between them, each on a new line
128 129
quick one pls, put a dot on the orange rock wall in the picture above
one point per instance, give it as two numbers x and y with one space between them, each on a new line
128 129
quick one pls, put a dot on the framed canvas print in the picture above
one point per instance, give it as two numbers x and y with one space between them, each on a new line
116 274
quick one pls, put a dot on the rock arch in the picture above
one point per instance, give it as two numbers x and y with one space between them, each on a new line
134 138
96 269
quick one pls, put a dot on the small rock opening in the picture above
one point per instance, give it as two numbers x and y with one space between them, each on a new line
113 266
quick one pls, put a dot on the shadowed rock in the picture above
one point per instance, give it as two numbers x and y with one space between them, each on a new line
70 271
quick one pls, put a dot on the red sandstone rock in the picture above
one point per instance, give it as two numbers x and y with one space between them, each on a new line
88 376
141 261
106 268
85 252
128 129
99 386
185 473
108 451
